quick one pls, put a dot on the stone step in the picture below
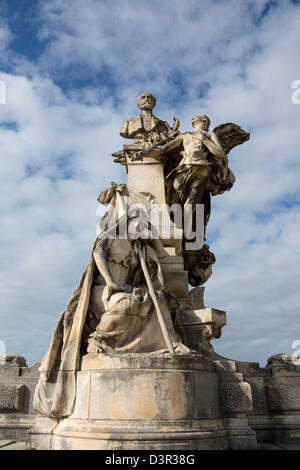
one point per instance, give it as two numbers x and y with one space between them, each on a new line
5 442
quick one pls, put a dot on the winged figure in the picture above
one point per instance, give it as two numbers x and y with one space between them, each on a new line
196 168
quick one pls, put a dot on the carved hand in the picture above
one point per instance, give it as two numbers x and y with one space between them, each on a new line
204 135
114 287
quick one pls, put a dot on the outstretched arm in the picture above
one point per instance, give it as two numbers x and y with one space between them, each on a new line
156 150
211 141
172 144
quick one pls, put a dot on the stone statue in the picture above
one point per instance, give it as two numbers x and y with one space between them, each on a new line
193 175
195 168
120 294
112 310
123 304
202 171
130 364
145 128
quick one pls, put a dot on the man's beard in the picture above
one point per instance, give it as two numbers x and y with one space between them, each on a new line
146 106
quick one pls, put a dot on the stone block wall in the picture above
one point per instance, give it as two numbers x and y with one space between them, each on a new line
17 385
276 398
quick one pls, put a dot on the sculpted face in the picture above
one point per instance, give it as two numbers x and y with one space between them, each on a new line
146 102
138 222
201 122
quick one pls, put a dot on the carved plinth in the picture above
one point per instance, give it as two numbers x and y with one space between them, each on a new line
147 175
141 401
199 327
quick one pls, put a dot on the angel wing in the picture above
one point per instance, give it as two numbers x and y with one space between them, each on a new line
230 135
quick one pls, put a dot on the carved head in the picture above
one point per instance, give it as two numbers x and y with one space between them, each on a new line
201 118
146 101
138 222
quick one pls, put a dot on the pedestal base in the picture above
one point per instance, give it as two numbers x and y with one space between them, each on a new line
141 401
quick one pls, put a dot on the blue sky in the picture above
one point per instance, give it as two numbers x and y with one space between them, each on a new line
73 71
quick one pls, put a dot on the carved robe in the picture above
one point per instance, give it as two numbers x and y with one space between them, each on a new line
127 323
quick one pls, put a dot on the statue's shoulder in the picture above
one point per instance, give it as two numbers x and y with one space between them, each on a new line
131 126
187 135
132 120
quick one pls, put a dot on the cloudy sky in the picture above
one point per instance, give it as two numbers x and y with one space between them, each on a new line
72 72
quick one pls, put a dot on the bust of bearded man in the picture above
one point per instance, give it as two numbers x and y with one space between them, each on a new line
142 126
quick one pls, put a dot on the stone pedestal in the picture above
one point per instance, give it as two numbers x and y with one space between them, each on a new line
147 175
176 279
141 401
199 327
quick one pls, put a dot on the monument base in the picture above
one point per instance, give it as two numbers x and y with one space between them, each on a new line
148 402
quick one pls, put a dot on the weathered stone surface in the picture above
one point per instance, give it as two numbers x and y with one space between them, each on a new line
230 377
154 395
14 446
40 432
235 397
30 372
251 369
5 442
141 401
15 425
102 362
205 315
176 279
12 359
11 397
196 296
225 366
199 327
133 435
283 364
17 385
148 179
282 397
279 360
83 393
279 424
11 374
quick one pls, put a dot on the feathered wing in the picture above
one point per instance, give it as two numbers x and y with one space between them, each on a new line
230 135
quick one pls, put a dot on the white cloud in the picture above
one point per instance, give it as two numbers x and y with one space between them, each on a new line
5 37
56 154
